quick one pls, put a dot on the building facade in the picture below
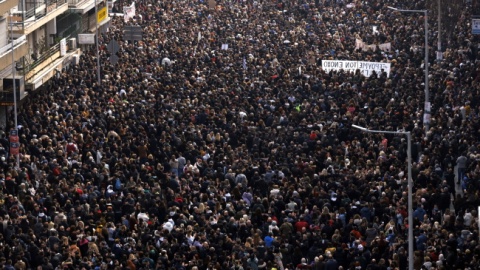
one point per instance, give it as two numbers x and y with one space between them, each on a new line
38 38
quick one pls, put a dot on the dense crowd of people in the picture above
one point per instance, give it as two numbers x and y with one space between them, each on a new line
218 142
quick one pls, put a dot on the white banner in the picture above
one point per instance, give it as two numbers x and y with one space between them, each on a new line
359 44
129 12
386 47
366 68
63 47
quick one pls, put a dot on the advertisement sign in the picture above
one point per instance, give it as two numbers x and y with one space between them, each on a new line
366 68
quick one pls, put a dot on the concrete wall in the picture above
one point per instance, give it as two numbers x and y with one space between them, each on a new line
6 5
6 60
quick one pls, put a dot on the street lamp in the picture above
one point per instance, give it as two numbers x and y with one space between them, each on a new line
96 44
410 184
426 117
17 156
439 41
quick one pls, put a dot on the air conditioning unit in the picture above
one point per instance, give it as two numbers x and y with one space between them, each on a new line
76 59
72 44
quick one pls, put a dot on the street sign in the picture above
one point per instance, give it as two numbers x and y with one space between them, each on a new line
132 32
114 59
14 145
476 26
439 56
14 148
113 46
86 38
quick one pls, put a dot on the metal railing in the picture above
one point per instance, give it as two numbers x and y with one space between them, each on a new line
47 54
36 12
39 9
75 2
8 47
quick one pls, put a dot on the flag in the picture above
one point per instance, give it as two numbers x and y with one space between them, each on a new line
244 63
129 12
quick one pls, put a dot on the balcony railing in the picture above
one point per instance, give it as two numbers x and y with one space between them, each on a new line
21 19
39 10
76 2
8 47
44 56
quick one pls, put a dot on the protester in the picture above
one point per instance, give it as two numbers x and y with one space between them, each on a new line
219 142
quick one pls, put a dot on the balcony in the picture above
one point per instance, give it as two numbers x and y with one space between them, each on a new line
81 6
20 49
43 68
25 22
6 5
42 61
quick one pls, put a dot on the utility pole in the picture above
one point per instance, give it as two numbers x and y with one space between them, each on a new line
439 41
96 43
17 154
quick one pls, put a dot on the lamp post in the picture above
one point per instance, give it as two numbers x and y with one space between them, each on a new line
439 41
17 156
96 43
426 113
410 184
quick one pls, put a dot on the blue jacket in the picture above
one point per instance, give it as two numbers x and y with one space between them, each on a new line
419 213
